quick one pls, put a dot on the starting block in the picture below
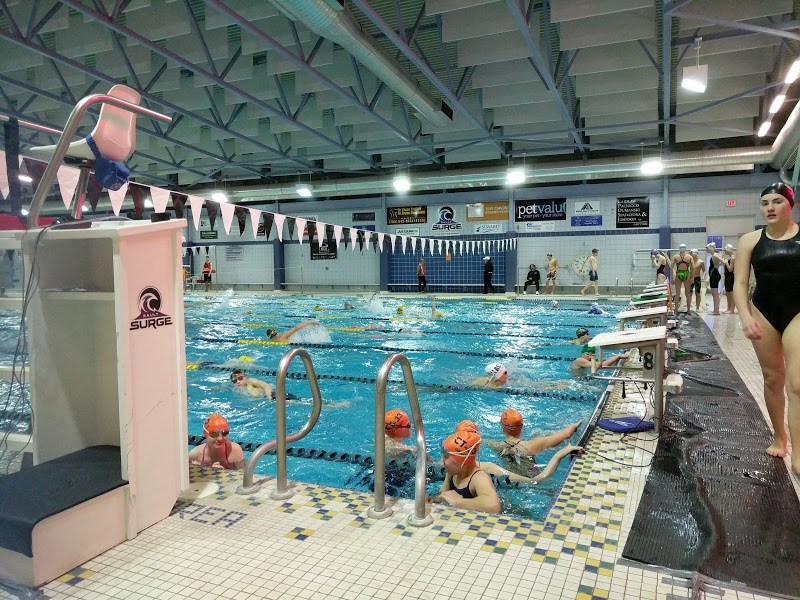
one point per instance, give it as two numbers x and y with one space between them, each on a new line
651 342
650 316
648 302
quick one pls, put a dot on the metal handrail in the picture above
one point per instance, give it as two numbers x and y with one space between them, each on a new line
62 146
379 510
281 439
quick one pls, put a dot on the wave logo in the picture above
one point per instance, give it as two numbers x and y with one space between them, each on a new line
150 314
446 222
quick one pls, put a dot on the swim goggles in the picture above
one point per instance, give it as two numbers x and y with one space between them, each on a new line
464 455
237 377
216 434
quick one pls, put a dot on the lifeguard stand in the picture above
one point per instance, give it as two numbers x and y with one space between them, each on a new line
108 386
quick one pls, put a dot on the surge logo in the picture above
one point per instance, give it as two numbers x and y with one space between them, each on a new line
149 313
446 222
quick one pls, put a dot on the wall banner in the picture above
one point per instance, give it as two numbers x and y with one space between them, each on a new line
633 212
323 251
406 215
553 209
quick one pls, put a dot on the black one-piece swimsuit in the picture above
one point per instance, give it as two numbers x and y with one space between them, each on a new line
776 264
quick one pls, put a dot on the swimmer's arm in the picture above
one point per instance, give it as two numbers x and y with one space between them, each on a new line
262 385
196 454
552 465
495 445
741 284
486 498
498 471
236 456
284 337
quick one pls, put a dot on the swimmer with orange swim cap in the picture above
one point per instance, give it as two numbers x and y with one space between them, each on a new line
466 485
217 450
498 471
397 427
519 455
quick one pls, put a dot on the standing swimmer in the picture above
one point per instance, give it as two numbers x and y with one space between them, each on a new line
771 321
713 275
488 270
422 281
729 262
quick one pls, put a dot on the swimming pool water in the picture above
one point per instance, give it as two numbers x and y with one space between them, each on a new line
446 355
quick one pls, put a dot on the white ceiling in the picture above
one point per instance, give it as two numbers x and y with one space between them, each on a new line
560 78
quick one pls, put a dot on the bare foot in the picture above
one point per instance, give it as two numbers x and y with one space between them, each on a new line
778 448
714 313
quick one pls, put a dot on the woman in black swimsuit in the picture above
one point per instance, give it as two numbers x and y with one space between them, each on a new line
771 320
729 262
466 485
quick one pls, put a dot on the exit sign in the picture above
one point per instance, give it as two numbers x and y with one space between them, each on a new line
730 202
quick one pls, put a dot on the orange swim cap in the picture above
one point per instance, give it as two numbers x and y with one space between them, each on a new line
396 424
464 445
511 421
216 422
466 425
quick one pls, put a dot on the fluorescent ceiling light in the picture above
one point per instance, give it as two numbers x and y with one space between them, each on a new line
695 79
516 176
219 197
762 131
303 190
25 178
652 166
776 103
24 212
148 203
401 183
794 71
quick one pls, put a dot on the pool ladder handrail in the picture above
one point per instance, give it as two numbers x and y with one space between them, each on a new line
282 491
379 510
60 151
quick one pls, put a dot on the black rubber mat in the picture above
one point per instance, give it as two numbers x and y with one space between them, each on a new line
714 501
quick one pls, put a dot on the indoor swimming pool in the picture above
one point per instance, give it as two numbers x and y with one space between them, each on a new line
448 348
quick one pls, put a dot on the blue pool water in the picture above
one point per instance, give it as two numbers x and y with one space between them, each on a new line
446 354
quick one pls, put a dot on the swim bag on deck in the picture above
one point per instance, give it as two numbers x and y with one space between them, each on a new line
629 424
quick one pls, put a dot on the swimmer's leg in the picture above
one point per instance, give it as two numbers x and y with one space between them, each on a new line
770 353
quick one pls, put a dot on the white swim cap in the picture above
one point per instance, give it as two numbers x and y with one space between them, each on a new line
496 370
486 258
729 248
711 245
693 251
554 303
682 247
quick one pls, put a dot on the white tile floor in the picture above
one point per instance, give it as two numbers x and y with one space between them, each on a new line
321 544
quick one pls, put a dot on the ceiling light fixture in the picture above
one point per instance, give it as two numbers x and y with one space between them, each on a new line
303 190
219 197
794 71
651 166
401 183
762 131
776 103
24 212
25 178
695 79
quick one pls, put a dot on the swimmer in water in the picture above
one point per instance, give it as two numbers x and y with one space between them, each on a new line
466 485
274 336
397 427
254 387
520 455
217 450
498 471
595 309
496 376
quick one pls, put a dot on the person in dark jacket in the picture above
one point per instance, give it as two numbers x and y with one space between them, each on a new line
532 278
488 269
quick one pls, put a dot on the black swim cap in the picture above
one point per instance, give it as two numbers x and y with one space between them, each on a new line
781 189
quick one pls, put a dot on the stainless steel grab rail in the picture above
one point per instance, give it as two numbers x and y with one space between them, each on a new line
379 510
281 439
63 144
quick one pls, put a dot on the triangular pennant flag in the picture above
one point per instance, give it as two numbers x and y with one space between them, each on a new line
329 235
279 220
241 217
67 182
4 187
439 246
367 235
291 224
337 234
93 191
320 227
212 209
353 236
160 198
196 203
300 224
118 197
255 217
403 243
267 220
227 209
360 240
392 237
380 241
178 202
